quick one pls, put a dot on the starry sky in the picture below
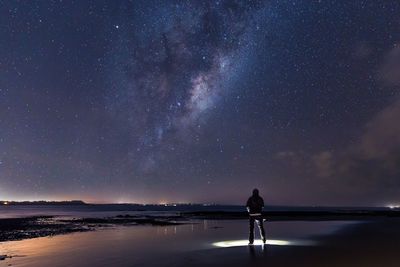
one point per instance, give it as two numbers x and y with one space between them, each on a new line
200 101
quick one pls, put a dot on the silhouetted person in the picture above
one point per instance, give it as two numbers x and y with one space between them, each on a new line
255 205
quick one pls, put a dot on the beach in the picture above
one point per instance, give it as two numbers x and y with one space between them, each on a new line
215 243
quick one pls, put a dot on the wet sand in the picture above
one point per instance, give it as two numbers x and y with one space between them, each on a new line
19 227
365 243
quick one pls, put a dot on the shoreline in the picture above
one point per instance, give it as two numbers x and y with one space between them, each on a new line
324 245
12 229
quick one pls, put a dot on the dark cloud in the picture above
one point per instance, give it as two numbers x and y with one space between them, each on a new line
366 168
389 72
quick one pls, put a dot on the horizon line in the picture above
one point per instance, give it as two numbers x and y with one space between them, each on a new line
5 202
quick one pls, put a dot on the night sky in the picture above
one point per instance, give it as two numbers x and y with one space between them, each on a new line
200 101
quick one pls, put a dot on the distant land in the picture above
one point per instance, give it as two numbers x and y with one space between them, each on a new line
81 202
42 202
212 211
213 206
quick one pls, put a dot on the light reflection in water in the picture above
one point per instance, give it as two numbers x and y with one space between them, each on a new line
146 245
240 243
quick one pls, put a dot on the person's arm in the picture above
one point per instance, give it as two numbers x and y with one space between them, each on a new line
248 205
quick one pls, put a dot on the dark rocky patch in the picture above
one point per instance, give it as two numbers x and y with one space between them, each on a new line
40 226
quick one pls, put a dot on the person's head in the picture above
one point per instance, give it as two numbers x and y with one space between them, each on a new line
255 192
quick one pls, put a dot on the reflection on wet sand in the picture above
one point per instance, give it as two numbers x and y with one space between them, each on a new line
201 243
245 242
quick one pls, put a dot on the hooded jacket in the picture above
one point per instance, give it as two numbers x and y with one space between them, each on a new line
255 204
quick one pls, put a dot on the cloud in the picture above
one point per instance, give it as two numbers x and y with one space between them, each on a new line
370 166
368 169
362 50
372 163
295 159
324 163
382 137
389 72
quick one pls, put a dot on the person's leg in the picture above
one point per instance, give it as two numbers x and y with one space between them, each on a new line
261 227
251 233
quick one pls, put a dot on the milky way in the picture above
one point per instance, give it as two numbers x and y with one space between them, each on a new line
200 101
167 79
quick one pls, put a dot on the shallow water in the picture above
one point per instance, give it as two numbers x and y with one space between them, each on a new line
151 245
